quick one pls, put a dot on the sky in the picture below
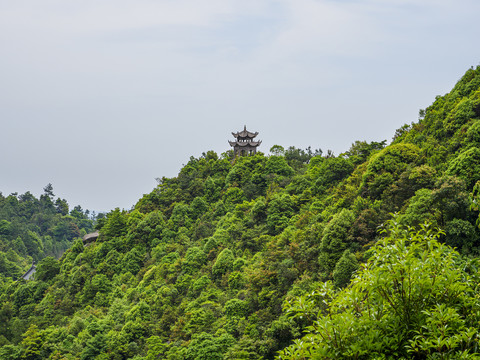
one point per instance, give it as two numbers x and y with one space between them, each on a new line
101 97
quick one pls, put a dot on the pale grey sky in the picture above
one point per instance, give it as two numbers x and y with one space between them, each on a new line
101 97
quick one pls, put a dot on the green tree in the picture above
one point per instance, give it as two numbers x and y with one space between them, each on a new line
10 352
297 158
386 166
48 190
149 228
198 207
47 269
207 347
278 165
155 348
461 235
235 308
115 224
32 344
344 269
277 150
132 261
232 197
224 262
5 227
336 238
19 246
62 206
360 151
415 298
466 166
280 210
194 259
94 346
331 171
180 216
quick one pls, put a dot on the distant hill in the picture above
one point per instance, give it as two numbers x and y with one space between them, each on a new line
205 265
31 229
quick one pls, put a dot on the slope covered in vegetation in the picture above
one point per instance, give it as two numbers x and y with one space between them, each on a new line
206 265
31 229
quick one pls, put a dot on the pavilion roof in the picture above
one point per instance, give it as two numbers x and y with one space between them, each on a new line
244 143
91 237
245 133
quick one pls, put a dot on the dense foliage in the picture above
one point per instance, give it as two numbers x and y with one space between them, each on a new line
31 229
400 305
237 258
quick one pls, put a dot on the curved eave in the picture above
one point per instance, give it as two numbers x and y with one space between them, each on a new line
245 134
245 143
91 237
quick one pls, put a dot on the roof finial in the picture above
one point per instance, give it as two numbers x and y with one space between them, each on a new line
244 127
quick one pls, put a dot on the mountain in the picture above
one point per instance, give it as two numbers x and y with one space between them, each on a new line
208 265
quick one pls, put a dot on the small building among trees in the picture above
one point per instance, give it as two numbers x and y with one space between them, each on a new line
244 143
89 238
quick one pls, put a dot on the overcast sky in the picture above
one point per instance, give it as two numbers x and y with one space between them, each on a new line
101 97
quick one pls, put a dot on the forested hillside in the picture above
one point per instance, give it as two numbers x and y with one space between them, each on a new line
31 229
241 258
